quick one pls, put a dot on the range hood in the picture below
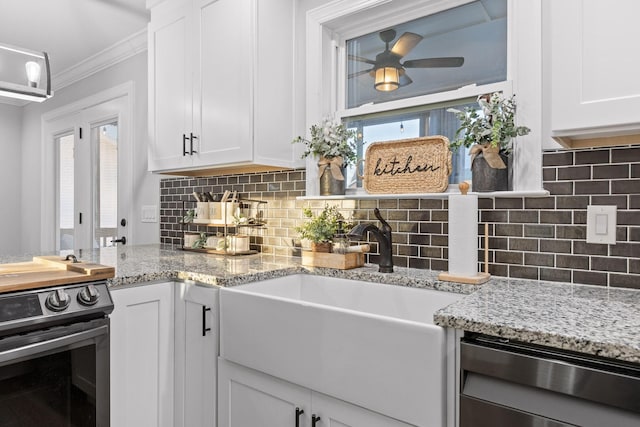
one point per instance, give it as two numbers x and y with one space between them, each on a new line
24 74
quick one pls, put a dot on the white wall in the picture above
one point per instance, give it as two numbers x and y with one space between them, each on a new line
145 185
10 144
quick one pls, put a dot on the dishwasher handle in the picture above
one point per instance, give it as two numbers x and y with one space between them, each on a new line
547 371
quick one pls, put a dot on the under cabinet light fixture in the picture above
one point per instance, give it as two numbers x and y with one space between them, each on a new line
21 72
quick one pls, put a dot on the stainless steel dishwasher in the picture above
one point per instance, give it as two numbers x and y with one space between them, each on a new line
511 384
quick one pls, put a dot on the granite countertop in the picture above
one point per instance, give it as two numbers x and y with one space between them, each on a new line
590 319
147 263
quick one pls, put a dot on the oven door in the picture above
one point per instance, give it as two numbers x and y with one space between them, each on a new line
56 377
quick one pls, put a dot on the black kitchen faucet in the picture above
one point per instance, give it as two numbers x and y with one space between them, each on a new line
382 235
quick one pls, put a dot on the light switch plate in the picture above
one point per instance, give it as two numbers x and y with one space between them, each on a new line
601 224
149 213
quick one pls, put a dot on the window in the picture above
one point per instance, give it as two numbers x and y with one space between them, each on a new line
466 45
411 123
499 41
435 54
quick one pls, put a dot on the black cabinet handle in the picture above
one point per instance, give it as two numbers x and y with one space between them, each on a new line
204 320
122 240
184 144
298 413
314 420
191 138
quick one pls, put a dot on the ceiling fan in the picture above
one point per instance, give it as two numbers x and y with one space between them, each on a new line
388 72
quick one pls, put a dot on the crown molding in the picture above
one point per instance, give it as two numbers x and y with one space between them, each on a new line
112 55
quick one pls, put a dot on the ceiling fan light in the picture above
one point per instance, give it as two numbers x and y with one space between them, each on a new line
387 79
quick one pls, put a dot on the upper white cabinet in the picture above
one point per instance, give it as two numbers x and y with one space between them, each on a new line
221 85
594 62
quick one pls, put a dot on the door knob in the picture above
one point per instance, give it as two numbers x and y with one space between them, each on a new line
314 420
122 240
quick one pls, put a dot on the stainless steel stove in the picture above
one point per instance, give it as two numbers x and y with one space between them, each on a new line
54 356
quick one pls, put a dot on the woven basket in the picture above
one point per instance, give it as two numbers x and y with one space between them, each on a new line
419 165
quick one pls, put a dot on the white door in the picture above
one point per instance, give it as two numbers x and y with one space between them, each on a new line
142 356
330 412
92 176
196 335
251 398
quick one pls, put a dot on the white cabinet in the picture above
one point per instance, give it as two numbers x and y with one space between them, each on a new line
251 398
221 85
142 356
248 397
170 85
196 344
593 69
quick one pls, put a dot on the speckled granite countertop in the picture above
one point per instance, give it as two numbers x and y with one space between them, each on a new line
146 263
590 319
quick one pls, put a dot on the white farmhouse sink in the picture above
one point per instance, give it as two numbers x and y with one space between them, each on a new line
369 344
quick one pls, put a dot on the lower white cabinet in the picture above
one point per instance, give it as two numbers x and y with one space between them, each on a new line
196 344
247 397
164 346
142 359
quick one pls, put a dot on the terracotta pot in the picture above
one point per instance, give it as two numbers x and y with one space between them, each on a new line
321 247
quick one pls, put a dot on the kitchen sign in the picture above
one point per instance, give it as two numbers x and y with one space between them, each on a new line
419 165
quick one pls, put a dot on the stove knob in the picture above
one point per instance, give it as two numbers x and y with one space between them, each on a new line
88 295
58 300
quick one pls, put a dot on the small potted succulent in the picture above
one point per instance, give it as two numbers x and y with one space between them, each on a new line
335 147
490 135
320 229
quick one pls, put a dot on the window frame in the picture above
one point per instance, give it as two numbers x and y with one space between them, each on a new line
329 26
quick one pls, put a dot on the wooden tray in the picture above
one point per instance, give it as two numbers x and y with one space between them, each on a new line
50 271
419 165
331 260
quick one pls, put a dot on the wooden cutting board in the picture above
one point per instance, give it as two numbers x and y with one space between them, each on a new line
50 271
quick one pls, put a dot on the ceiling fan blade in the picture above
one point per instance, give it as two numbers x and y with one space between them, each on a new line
405 43
361 59
405 80
359 73
454 61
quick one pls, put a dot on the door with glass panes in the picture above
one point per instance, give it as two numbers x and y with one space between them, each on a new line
91 173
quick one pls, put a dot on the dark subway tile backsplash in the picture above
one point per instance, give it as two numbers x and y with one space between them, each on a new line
536 238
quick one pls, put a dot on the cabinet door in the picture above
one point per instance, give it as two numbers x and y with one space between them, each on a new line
196 354
170 84
142 356
251 398
223 81
594 64
337 413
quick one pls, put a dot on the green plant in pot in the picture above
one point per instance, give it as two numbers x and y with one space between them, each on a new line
335 147
489 135
320 229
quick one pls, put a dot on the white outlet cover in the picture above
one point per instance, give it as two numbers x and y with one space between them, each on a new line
149 213
601 224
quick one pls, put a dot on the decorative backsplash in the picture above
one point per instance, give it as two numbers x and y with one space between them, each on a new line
534 238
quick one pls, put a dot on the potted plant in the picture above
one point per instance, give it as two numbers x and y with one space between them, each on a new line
320 229
335 147
489 135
